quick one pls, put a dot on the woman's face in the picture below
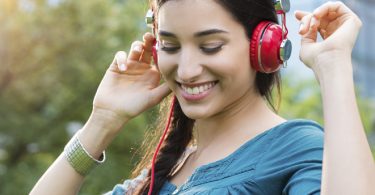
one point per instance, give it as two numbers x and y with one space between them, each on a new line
204 57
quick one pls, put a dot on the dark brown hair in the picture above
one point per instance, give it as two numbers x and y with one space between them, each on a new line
248 13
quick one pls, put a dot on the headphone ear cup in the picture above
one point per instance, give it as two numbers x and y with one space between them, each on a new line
254 45
265 46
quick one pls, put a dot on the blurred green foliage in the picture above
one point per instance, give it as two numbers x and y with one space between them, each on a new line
302 99
53 55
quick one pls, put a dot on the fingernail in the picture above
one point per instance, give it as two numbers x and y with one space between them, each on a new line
122 67
138 48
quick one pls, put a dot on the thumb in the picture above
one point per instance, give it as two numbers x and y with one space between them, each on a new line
300 14
159 93
308 29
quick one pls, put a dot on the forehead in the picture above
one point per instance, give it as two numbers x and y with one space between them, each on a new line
190 16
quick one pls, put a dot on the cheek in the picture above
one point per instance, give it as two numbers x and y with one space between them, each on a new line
167 65
234 62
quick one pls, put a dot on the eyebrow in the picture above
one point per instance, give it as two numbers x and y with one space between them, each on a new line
198 34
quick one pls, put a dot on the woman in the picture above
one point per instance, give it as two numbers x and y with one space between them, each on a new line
240 146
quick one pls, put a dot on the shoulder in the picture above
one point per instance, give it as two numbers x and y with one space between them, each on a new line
298 131
296 140
303 125
293 159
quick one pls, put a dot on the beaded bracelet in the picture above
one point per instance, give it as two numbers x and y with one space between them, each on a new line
79 158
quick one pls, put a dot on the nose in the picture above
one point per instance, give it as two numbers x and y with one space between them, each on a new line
189 68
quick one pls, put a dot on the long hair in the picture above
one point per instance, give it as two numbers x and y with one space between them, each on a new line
248 13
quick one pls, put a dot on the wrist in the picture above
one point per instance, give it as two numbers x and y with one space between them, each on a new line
99 131
335 65
337 82
79 158
107 120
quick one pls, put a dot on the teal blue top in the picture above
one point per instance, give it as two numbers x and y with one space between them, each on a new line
286 159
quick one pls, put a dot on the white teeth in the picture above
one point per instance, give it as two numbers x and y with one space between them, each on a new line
195 90
198 89
201 88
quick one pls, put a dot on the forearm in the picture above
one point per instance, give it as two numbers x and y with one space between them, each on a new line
348 165
61 178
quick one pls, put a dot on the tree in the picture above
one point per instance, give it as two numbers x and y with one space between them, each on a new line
53 57
302 99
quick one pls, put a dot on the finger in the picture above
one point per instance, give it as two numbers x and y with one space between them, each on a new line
314 23
332 15
300 14
148 39
135 51
151 77
159 93
309 29
305 24
323 33
324 25
119 62
136 68
310 36
329 7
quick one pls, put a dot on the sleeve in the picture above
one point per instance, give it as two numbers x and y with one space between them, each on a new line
306 181
306 156
291 163
129 185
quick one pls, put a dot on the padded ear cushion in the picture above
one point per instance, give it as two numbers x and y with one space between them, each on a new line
254 45
265 47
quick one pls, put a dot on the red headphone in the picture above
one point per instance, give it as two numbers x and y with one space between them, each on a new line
269 50
269 45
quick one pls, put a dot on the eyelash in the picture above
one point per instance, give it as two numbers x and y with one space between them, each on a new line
207 50
212 50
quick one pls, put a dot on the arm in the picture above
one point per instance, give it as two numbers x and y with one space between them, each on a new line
348 165
129 87
61 178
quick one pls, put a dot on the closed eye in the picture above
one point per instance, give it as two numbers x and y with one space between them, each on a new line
208 48
211 48
169 47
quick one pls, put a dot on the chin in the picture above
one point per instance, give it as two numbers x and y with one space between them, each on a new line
196 113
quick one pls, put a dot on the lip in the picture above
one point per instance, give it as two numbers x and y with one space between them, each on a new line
196 97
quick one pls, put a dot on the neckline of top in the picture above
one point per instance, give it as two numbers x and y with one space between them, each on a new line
238 151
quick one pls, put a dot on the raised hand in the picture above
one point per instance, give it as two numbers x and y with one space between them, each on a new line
339 28
131 83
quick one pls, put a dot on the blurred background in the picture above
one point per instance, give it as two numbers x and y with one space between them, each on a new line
53 54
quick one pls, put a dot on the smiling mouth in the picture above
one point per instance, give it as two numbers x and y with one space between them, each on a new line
197 89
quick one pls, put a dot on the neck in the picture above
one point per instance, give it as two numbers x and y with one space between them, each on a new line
238 123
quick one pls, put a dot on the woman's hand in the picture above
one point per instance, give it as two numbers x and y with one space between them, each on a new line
131 84
339 28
